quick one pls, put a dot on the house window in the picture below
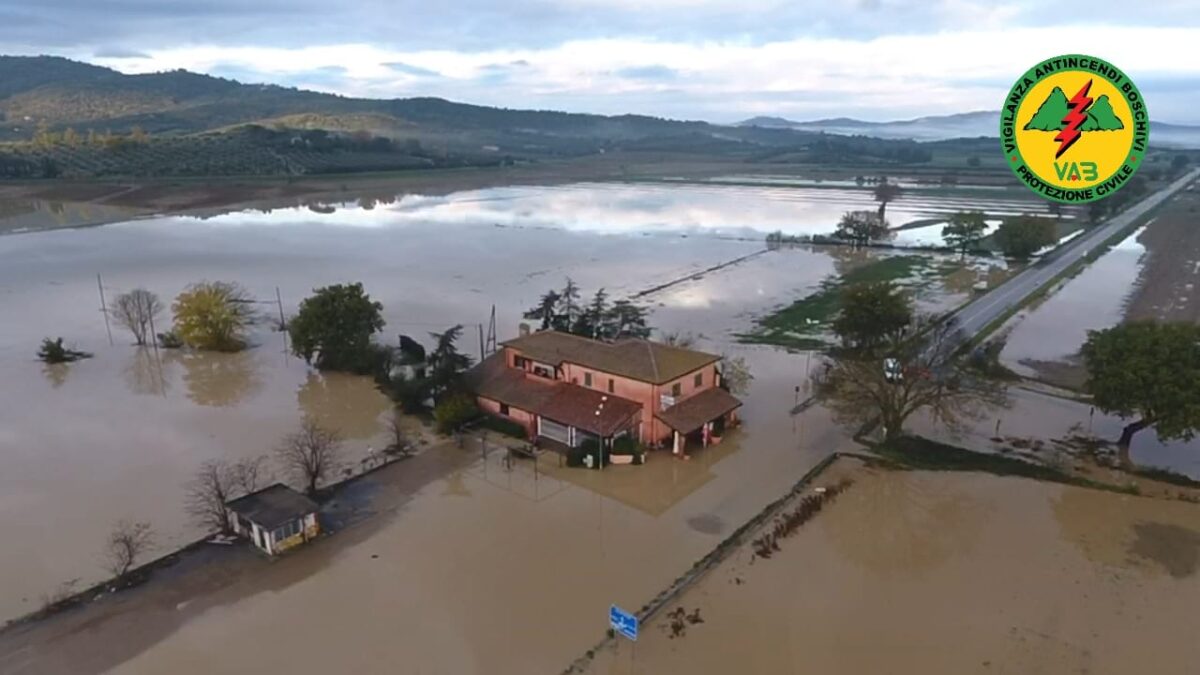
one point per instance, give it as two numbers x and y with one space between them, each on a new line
587 379
504 409
699 381
519 362
289 530
612 384
676 389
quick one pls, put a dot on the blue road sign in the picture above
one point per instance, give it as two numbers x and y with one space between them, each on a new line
623 622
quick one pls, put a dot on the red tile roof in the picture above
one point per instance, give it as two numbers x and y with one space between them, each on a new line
693 412
580 407
641 360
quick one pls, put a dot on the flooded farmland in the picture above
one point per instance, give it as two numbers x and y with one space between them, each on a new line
946 573
116 436
1045 340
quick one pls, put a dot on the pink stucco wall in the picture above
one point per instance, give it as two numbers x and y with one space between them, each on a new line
522 417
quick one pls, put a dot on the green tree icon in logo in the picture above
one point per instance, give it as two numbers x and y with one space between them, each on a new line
1049 115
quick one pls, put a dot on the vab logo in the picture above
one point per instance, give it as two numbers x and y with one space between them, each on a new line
1074 128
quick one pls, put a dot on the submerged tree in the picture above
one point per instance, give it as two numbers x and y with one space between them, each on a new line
1023 236
127 542
861 228
213 315
872 313
136 311
1150 372
912 374
884 193
334 326
216 483
735 374
311 455
964 230
53 351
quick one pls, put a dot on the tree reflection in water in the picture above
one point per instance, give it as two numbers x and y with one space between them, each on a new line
145 374
217 379
350 404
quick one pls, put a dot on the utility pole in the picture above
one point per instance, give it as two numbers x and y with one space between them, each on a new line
279 301
104 309
482 356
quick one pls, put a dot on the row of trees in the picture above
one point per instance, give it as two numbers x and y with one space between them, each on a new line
45 137
562 310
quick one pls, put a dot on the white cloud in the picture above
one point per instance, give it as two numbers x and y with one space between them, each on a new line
881 77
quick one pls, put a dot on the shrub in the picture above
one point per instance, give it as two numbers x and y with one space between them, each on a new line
505 426
454 411
627 445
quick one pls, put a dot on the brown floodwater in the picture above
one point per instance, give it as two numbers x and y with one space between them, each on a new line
116 436
950 573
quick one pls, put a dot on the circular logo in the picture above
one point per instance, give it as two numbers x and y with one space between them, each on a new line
1074 128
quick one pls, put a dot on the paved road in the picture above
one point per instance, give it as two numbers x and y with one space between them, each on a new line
979 314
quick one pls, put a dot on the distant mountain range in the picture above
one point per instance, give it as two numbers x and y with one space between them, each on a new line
943 127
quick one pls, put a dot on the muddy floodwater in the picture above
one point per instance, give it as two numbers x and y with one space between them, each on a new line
117 436
1053 331
914 572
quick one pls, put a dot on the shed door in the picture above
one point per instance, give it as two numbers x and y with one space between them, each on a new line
554 431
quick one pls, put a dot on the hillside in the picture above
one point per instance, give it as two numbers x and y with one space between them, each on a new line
961 125
61 118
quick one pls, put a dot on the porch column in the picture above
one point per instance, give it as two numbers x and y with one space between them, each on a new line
677 447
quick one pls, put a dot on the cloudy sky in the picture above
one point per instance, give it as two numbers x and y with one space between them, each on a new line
718 60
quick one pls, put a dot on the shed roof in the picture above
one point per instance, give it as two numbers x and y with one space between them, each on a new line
273 506
693 412
642 360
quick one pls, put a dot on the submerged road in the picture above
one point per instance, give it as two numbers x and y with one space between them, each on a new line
976 316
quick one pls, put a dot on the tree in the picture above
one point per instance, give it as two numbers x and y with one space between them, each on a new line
398 434
126 543
207 493
871 313
591 320
311 454
136 310
213 315
1023 236
249 474
678 339
857 387
335 326
446 364
1147 371
964 230
569 305
546 310
884 193
454 411
735 374
862 227
626 319
1178 163
53 351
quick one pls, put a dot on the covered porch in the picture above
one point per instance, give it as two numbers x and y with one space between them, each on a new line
700 420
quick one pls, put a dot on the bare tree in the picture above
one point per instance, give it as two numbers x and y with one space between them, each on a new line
210 489
126 543
399 437
918 373
678 339
735 374
137 310
249 474
311 454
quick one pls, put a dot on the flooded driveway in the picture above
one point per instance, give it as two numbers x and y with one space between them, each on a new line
947 573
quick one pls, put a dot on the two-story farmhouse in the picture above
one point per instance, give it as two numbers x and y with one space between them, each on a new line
569 389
